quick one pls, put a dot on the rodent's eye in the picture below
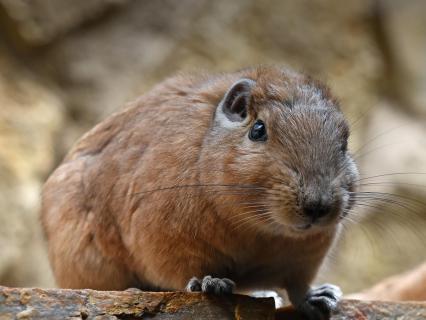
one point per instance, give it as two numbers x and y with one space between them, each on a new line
258 131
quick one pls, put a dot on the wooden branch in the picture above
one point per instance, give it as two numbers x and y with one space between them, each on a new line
366 310
58 304
407 286
363 310
34 303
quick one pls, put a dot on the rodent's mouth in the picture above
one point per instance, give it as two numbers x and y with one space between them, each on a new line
310 226
303 226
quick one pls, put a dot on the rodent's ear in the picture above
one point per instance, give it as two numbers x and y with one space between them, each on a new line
236 101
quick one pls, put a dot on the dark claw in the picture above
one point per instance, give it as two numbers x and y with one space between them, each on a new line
194 285
211 285
320 302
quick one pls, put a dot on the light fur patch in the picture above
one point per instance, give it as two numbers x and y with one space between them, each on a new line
222 120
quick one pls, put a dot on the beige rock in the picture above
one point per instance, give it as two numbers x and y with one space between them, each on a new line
404 31
114 62
30 117
38 22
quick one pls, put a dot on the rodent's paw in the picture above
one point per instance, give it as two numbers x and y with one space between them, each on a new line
320 302
217 285
211 285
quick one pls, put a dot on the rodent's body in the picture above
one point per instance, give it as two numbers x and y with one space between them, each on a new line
153 195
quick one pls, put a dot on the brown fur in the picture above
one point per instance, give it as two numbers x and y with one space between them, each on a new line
106 231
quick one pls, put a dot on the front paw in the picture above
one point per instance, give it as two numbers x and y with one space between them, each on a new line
320 302
211 285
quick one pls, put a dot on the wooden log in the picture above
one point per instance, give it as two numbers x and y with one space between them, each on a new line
367 310
407 286
35 303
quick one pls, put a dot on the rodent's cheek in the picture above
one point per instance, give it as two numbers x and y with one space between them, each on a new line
351 180
348 201
288 216
283 200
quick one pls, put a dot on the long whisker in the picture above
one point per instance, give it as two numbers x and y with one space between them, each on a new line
391 183
261 219
380 203
375 138
236 186
367 152
391 174
353 124
249 216
408 222
388 196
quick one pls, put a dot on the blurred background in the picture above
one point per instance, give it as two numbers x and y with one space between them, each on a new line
66 65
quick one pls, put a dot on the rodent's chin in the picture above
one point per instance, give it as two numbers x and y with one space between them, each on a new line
302 227
300 230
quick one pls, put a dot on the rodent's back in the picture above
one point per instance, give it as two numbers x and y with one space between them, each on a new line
147 145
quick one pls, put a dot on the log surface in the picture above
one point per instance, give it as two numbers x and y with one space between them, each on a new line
35 303
377 310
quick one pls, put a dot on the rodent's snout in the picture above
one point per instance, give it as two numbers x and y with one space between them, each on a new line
319 205
324 202
317 208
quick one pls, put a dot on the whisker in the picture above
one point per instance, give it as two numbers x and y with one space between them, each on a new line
379 208
189 194
392 183
249 219
236 186
248 213
243 204
360 155
384 201
365 113
376 138
391 174
387 196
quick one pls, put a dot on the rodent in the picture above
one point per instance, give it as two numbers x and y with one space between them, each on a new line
232 178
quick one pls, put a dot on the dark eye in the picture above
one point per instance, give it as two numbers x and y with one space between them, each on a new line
258 131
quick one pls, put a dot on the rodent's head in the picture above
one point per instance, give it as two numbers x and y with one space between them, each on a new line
283 139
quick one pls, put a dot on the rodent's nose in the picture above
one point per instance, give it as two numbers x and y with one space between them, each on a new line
316 209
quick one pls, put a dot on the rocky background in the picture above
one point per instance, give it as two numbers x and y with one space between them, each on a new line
65 65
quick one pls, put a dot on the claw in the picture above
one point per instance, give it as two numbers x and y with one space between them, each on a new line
211 285
194 285
320 302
